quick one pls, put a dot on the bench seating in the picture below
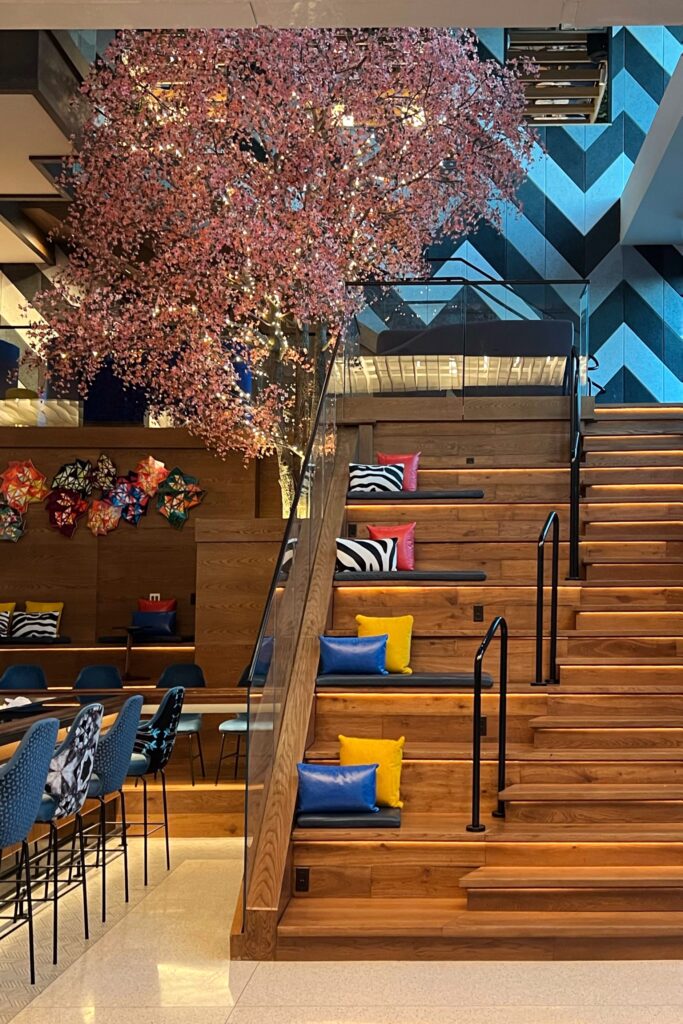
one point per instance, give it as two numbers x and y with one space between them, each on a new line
375 496
398 681
37 641
412 576
385 817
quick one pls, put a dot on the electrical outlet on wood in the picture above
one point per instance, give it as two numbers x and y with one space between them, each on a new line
155 597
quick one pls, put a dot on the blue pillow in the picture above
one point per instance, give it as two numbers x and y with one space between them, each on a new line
353 655
332 788
155 623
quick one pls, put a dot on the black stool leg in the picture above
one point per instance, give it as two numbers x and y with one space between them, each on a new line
29 911
103 831
201 755
55 890
124 843
144 826
163 793
237 754
190 737
220 759
81 846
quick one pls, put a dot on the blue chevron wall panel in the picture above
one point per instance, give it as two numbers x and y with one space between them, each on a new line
570 226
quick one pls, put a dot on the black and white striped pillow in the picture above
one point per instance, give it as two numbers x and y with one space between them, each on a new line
366 555
4 624
375 478
288 556
34 625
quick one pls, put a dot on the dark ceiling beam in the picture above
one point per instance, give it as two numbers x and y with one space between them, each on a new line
33 63
13 217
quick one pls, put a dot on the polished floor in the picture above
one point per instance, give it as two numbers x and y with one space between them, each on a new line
163 960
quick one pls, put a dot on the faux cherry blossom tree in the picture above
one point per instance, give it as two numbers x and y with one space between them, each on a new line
229 183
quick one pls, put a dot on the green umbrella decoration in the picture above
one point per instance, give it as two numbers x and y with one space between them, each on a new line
177 494
12 524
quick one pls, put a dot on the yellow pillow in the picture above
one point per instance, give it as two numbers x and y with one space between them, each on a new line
399 629
46 606
8 606
387 754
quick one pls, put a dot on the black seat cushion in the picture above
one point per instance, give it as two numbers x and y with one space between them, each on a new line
396 681
385 817
373 496
36 641
411 575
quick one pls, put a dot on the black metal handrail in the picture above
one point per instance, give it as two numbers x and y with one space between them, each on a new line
575 441
498 625
552 522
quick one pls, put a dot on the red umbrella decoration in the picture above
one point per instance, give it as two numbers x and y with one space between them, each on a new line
104 473
150 474
103 517
12 523
23 484
64 509
75 476
129 497
178 493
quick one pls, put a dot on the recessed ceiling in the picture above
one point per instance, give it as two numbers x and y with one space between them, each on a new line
13 249
27 131
106 14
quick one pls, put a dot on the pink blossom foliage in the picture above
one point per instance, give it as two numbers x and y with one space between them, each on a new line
229 183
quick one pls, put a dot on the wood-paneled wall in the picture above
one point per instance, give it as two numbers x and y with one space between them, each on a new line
100 578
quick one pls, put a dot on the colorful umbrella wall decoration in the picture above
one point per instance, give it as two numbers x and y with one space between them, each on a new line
103 517
64 509
129 497
178 493
22 484
104 473
75 476
12 524
150 474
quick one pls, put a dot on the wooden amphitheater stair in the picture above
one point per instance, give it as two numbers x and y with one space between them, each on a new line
588 862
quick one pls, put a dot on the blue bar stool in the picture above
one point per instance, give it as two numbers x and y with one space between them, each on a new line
112 760
66 790
23 677
153 748
22 782
189 677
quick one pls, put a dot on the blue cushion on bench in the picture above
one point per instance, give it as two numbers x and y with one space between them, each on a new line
353 654
329 788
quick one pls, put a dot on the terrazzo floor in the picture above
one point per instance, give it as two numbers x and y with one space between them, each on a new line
163 960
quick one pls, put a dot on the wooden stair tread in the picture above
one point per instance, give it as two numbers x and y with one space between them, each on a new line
591 792
613 722
416 751
596 877
426 917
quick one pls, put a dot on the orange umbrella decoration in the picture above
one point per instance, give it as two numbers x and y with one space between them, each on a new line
103 517
12 524
23 484
150 474
64 509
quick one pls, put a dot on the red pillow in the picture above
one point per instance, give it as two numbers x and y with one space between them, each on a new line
168 605
405 535
410 464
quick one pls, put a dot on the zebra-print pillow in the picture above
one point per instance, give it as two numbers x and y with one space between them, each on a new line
375 478
4 624
366 555
34 625
288 556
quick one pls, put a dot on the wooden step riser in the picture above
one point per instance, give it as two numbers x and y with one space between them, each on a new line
622 510
603 572
383 880
417 729
608 738
602 707
631 531
641 442
547 948
645 551
632 460
632 493
582 773
595 813
476 521
625 623
582 900
633 427
600 675
636 476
